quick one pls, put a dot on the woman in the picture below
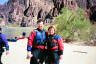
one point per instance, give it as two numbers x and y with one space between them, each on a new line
54 46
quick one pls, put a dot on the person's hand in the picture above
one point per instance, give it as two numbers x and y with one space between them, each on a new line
29 55
60 57
7 52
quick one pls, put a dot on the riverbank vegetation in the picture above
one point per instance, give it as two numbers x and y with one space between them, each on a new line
73 26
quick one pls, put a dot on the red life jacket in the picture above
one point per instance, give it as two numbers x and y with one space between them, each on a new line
52 41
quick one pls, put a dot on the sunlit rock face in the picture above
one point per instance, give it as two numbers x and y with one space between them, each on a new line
29 11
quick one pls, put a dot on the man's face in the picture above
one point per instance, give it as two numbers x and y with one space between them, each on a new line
40 25
51 31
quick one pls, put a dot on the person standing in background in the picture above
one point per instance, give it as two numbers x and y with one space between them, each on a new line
3 43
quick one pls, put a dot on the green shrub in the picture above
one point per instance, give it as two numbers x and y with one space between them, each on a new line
72 25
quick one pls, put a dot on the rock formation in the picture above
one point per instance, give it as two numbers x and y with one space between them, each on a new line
31 10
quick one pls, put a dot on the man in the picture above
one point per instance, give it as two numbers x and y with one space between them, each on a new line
36 43
3 43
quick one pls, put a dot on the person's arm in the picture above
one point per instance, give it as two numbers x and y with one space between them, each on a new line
30 40
29 44
61 47
5 43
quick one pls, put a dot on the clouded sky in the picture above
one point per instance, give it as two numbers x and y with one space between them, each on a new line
3 1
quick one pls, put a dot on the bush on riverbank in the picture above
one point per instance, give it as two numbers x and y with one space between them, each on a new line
72 26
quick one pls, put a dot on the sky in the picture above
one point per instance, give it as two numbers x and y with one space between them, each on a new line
3 1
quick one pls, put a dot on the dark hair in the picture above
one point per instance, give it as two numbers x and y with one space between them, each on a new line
24 33
40 20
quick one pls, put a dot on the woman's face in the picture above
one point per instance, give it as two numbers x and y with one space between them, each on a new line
40 25
51 31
